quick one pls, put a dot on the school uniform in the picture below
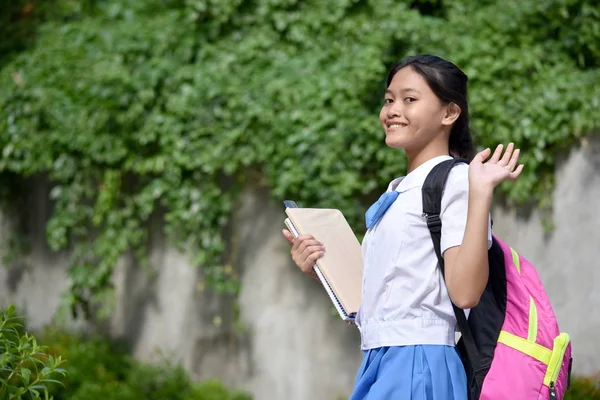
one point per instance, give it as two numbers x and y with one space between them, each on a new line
406 321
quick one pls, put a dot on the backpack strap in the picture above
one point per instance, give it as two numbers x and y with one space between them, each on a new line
432 191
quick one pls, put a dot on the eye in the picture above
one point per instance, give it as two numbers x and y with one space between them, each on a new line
410 99
388 101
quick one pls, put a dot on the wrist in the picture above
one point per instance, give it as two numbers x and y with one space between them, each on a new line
482 191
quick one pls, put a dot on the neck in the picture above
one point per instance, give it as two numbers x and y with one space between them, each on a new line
415 159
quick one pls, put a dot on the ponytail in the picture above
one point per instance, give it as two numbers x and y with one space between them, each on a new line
461 141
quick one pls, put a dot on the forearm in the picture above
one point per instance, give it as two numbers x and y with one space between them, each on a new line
467 278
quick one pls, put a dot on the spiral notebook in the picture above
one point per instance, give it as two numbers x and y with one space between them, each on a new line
340 269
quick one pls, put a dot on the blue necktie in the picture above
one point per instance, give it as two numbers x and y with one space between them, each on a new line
376 211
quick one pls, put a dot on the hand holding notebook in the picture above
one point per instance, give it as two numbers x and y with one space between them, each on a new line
339 268
305 250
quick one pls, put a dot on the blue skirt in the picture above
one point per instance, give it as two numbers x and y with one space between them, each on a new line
423 372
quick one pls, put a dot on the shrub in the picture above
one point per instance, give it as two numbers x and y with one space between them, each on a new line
584 388
134 108
215 390
26 369
101 369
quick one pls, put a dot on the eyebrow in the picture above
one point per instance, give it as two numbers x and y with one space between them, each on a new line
404 90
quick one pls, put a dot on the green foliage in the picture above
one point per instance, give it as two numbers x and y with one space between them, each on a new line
100 369
26 369
19 20
215 390
584 388
135 107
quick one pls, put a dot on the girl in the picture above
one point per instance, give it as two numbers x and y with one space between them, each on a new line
406 320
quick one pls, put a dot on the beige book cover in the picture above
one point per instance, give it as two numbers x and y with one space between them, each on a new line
341 267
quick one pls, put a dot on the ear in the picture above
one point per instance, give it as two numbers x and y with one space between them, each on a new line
451 114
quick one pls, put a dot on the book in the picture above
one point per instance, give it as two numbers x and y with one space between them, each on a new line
340 269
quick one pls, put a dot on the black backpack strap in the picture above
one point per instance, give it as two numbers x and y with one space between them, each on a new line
432 191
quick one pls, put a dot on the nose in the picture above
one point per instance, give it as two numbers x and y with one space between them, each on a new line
395 109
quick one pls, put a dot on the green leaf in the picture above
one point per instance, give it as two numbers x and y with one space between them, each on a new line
25 375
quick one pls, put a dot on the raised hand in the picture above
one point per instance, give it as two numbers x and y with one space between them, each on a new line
500 167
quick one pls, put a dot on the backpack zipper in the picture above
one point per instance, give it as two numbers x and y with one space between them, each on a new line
556 360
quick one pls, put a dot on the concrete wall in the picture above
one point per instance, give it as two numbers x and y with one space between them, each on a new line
292 346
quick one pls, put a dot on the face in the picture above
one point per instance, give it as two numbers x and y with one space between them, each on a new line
412 115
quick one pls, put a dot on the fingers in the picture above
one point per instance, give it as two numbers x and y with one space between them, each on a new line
497 153
507 154
288 235
301 240
307 265
513 160
515 174
482 155
310 250
509 158
305 244
306 250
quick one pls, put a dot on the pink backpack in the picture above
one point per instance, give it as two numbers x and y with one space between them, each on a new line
511 345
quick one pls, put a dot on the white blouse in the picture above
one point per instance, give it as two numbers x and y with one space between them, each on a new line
404 297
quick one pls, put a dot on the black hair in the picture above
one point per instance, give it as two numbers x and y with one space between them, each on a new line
449 84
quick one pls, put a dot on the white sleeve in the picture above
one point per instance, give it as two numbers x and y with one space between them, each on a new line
455 204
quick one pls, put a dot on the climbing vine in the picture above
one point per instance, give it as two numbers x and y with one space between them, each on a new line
132 108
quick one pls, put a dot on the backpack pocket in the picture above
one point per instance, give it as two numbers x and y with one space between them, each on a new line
559 349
